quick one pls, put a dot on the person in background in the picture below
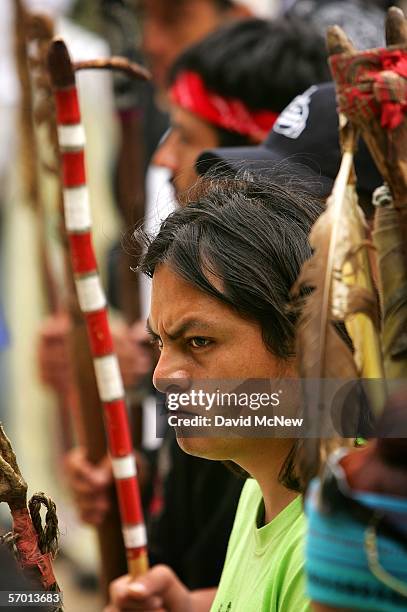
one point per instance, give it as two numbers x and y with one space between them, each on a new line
227 69
193 548
304 136
166 30
169 28
304 140
228 90
356 552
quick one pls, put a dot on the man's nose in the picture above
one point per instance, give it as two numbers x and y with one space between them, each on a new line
165 155
171 375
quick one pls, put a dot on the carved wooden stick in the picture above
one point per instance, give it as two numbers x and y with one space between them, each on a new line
93 305
115 63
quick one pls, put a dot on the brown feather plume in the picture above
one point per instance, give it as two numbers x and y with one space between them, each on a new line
322 353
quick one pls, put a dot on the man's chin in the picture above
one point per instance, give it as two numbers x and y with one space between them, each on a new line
206 448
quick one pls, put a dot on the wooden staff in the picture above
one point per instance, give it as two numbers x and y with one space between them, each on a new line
35 547
83 399
88 422
41 32
372 93
38 31
93 305
83 402
119 28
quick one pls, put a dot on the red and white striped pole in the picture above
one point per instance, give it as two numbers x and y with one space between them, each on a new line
71 137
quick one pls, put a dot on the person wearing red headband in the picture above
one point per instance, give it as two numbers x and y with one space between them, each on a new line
170 27
229 89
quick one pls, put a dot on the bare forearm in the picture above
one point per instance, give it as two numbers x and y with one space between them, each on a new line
202 600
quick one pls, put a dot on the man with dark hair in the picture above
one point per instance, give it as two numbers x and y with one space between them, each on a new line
229 260
305 134
357 518
229 89
176 535
169 27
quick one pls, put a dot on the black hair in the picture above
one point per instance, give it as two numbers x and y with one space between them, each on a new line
263 63
250 233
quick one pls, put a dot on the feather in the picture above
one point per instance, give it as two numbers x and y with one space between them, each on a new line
360 308
342 290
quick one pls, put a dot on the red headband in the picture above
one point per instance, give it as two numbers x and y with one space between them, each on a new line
190 93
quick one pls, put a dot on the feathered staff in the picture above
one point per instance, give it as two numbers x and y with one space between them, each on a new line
34 547
372 93
341 290
372 98
93 304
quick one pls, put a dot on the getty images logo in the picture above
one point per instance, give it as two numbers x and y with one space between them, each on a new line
292 121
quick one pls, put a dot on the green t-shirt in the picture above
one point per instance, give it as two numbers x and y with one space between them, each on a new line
264 568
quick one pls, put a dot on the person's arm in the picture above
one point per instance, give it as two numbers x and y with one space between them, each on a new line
159 589
89 485
202 599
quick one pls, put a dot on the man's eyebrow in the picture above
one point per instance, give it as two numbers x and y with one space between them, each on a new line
189 325
186 326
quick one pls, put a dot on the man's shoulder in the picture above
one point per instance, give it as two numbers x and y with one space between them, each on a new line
250 496
248 505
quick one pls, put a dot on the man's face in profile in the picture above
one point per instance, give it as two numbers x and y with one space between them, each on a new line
202 339
187 137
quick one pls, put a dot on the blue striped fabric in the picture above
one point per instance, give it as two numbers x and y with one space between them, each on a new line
337 568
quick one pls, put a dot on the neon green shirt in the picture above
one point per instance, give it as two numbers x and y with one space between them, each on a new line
263 570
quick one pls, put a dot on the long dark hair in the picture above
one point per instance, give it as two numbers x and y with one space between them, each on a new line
251 233
265 64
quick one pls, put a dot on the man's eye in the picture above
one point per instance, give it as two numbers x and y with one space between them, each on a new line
184 138
198 342
157 342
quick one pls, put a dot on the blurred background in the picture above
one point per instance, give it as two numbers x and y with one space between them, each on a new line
124 121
